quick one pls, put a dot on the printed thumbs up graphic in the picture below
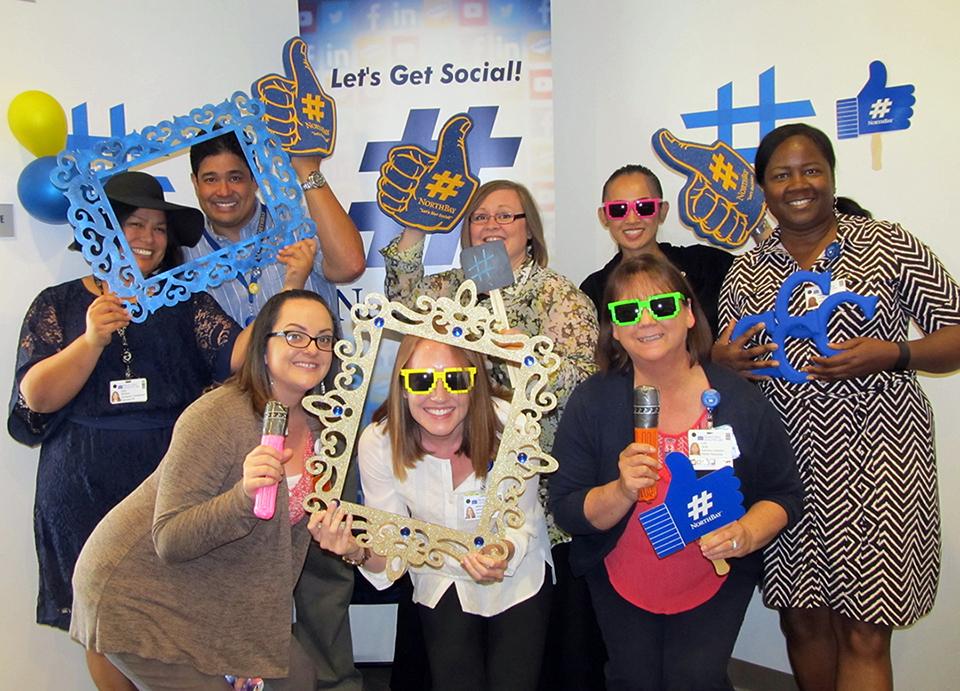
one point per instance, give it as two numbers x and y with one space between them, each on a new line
693 506
298 112
721 200
428 191
877 108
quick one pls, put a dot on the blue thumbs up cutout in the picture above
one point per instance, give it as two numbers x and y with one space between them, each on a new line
298 112
877 108
429 191
721 200
693 506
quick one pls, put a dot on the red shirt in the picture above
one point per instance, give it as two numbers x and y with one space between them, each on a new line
677 583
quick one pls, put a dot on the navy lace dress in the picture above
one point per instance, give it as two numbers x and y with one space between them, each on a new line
93 453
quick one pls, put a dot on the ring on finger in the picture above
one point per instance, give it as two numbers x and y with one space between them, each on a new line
733 542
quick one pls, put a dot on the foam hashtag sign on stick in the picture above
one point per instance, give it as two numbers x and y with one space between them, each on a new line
429 191
298 112
693 506
877 108
721 200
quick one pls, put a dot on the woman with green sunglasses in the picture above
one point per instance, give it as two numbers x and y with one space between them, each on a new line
426 455
671 622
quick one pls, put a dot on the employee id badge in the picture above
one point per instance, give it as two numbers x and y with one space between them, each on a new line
128 391
812 296
712 449
469 509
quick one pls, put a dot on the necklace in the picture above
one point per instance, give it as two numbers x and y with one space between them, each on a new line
126 355
303 487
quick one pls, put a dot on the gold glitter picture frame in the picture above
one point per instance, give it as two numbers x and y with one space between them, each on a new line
460 322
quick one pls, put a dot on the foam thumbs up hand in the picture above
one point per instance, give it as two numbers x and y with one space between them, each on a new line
693 506
429 191
882 108
298 111
721 200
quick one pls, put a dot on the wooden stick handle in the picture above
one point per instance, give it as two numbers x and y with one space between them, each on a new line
500 315
721 566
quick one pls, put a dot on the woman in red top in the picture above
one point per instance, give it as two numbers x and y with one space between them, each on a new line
667 623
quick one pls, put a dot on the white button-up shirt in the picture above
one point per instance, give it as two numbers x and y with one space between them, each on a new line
427 494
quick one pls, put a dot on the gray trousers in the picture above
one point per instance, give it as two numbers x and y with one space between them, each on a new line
322 597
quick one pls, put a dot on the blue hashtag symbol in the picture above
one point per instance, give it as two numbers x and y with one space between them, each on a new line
482 266
765 113
486 151
80 137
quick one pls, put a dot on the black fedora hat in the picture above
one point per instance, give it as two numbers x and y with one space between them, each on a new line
143 191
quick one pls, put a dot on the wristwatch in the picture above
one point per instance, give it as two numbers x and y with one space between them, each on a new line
314 181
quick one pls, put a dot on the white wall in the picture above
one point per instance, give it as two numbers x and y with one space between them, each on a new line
161 59
624 68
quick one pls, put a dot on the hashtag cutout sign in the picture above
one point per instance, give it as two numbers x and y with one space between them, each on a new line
429 190
693 506
879 107
721 200
297 111
487 265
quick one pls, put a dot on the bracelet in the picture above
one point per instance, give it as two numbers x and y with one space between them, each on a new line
903 361
357 562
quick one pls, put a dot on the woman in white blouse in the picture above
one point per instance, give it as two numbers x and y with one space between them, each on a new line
427 454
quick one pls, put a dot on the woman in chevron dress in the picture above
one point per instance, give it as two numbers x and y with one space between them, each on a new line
866 555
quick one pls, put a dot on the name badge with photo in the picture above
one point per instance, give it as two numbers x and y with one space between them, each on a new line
712 449
812 296
470 508
128 391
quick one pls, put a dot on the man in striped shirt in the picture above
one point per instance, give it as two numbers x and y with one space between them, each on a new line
227 193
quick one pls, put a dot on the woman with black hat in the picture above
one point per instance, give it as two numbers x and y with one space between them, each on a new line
101 394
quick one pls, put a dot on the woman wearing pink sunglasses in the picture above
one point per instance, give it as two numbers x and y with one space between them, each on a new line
633 209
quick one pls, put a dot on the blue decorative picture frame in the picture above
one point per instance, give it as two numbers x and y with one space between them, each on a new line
81 173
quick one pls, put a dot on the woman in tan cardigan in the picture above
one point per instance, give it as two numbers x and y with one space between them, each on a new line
181 584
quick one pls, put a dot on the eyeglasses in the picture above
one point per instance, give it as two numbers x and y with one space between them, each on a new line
421 382
645 208
503 218
298 339
663 306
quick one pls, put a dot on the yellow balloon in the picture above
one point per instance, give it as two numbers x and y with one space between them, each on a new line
38 122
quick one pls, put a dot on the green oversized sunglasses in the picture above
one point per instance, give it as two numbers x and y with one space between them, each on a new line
662 306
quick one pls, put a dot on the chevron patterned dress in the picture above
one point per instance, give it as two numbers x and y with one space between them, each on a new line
868 545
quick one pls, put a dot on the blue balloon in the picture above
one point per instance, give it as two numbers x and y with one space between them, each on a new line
38 195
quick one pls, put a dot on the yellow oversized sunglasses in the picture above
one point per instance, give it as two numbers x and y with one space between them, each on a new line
421 382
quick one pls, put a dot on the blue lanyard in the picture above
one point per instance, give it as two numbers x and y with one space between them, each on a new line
250 286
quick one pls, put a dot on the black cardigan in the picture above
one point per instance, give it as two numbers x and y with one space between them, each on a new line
598 424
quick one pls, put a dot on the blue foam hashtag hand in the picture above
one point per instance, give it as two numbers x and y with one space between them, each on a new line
297 111
693 506
877 108
721 200
882 108
429 191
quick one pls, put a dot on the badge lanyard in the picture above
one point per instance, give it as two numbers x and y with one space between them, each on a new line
128 389
251 286
710 400
126 355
